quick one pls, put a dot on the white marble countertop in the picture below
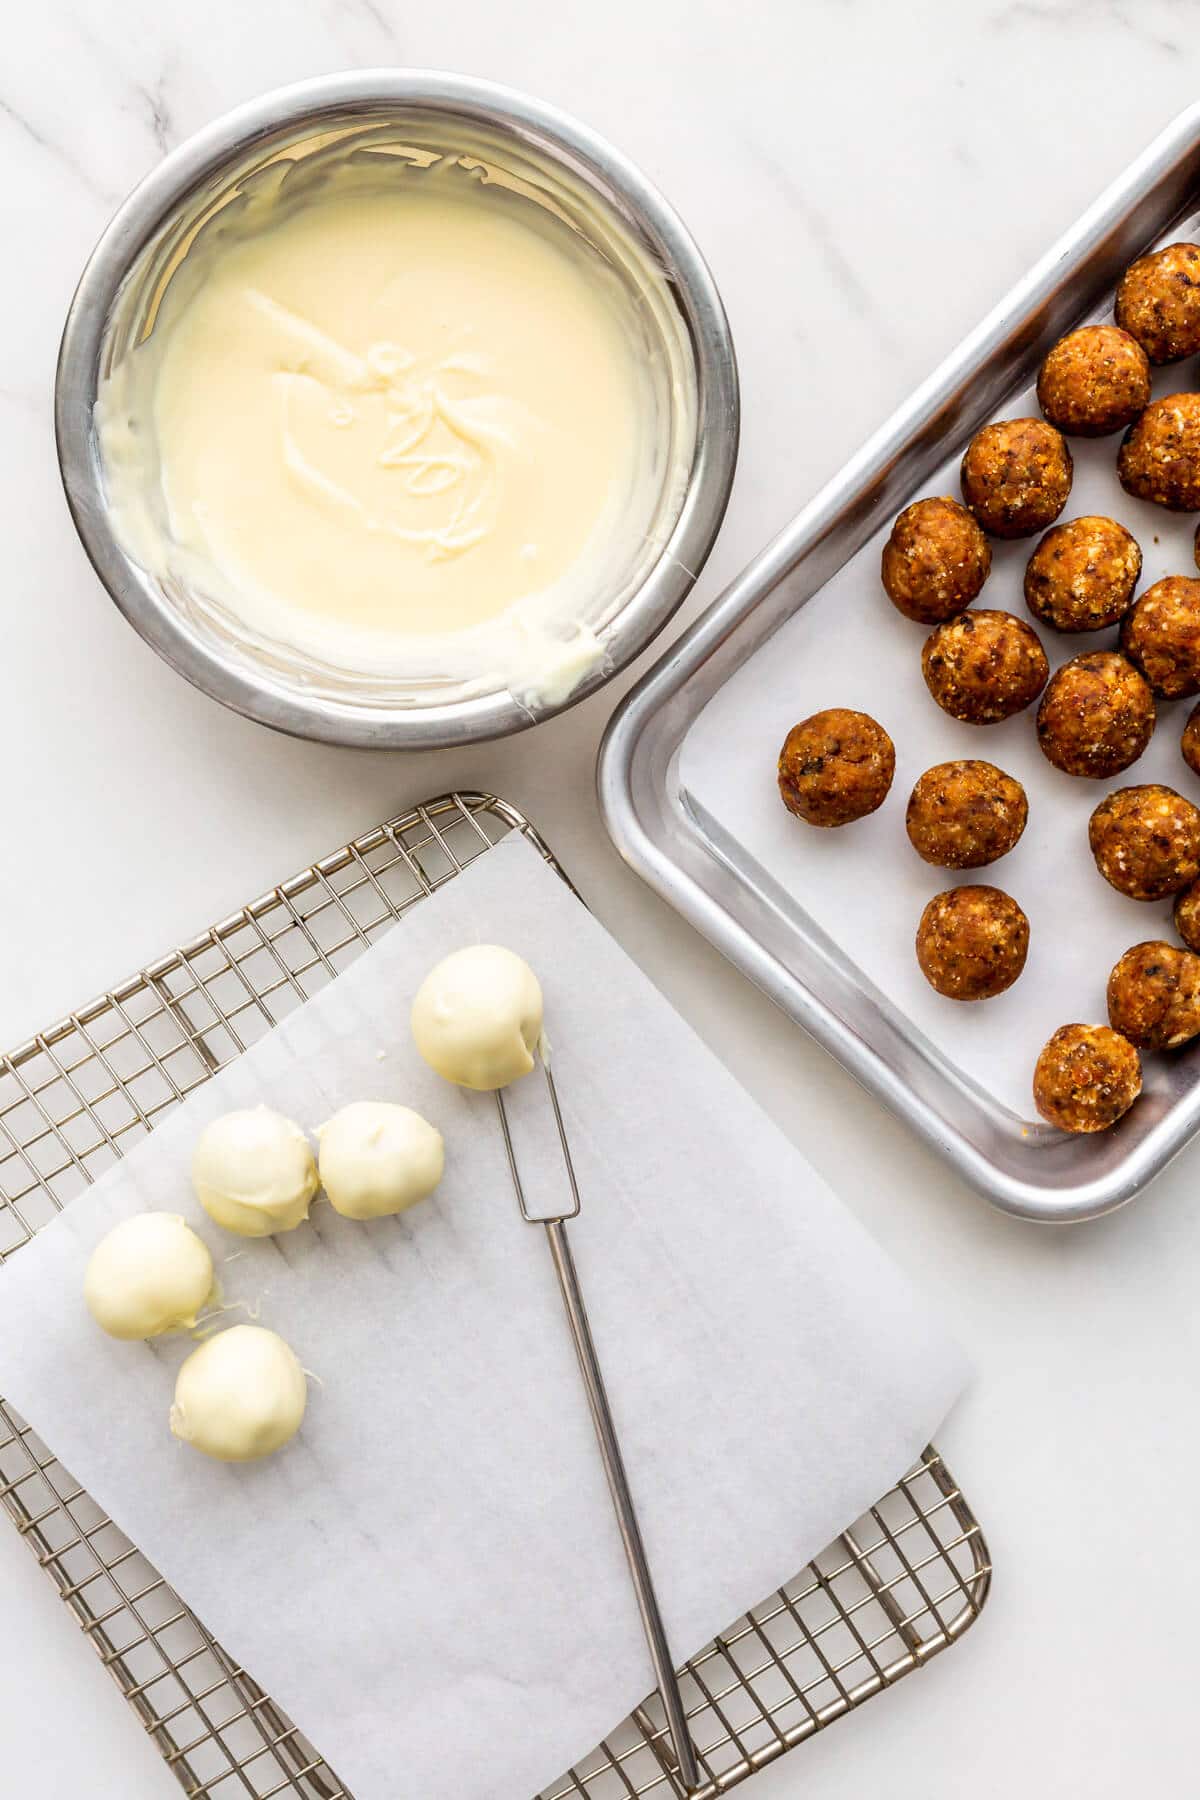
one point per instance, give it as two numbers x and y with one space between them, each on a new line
866 179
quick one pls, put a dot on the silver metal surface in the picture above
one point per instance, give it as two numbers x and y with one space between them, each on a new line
1036 1174
896 1589
119 289
555 1226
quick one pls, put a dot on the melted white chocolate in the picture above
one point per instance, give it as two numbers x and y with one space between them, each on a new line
149 1274
382 411
254 1173
239 1396
377 1158
477 1017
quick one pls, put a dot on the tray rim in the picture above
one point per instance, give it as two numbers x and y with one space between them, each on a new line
647 817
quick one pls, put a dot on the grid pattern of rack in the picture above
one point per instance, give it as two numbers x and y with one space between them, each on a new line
900 1586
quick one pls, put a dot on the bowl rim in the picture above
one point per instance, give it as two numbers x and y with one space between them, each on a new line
322 99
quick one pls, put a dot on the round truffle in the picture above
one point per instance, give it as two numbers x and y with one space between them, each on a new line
1096 716
1086 1077
1189 743
254 1173
964 815
972 942
1161 636
935 562
835 767
984 666
477 1017
239 1396
1094 380
1187 915
1158 302
1082 574
149 1274
1146 841
1159 458
1016 476
376 1158
1154 996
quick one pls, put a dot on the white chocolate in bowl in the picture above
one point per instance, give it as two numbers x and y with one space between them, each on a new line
149 1275
399 419
377 1158
239 1396
477 1017
254 1172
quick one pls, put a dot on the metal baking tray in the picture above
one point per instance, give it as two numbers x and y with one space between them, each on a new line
901 1585
1019 1165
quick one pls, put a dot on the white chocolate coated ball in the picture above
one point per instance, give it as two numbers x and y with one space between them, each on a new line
377 1158
239 1396
254 1172
149 1274
477 1017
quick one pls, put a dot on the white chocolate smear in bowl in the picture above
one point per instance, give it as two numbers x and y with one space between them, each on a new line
398 417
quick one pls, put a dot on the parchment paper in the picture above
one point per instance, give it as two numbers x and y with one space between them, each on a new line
864 885
429 1578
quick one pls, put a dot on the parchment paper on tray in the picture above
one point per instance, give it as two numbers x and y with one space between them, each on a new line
429 1579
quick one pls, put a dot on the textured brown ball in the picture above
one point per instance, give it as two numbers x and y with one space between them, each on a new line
1096 716
1016 476
1187 915
1159 458
964 815
972 942
1154 996
1086 1077
1094 380
1189 744
836 767
935 562
1082 574
1196 547
1158 302
1160 635
984 666
1146 841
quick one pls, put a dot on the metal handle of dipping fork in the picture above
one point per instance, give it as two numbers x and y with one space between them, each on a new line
610 1449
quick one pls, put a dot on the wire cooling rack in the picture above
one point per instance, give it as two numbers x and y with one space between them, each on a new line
896 1589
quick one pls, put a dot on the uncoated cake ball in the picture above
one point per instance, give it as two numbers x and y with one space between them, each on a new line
935 562
1158 302
1146 841
984 666
1094 380
1086 1078
1096 716
1190 741
1016 476
835 767
1187 915
1161 636
1154 996
972 942
1082 574
1159 458
964 815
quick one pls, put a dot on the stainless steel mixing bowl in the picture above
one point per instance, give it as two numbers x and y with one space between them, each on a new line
629 222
